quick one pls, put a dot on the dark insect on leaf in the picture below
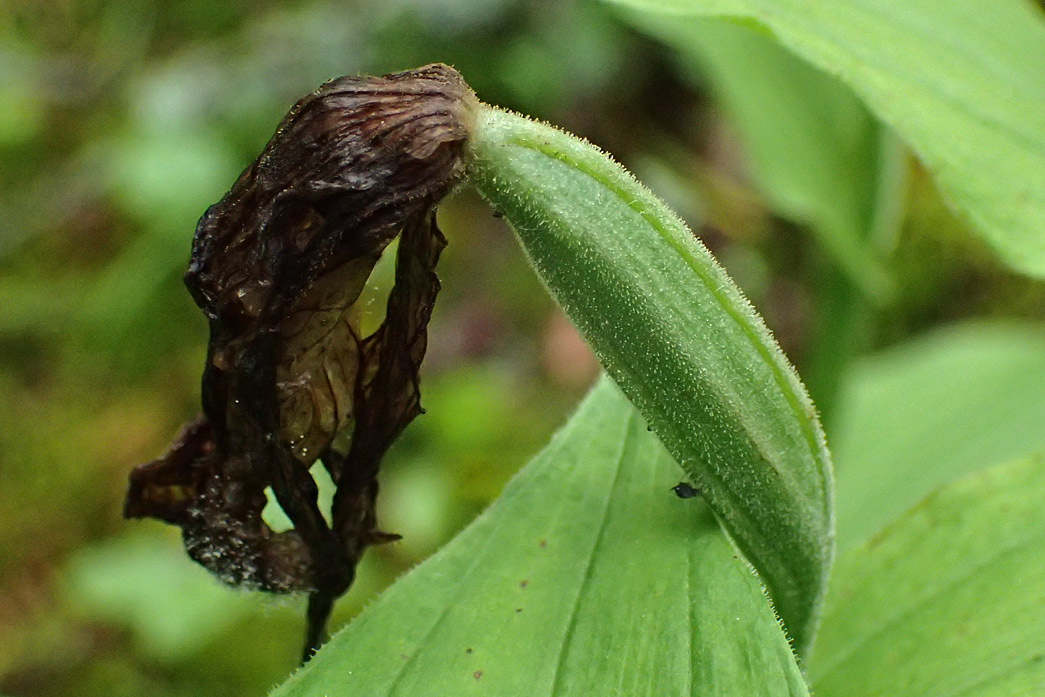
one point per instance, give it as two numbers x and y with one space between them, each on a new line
277 266
685 491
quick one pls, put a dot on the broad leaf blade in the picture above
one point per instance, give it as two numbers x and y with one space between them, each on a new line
963 86
684 345
947 601
923 413
586 577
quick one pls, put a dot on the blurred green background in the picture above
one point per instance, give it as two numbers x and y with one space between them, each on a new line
121 121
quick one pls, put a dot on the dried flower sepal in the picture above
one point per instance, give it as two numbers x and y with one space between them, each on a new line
277 266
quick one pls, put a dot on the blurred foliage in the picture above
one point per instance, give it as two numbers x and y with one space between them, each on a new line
920 414
963 560
120 122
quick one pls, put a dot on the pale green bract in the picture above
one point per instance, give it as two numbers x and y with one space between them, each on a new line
679 338
586 577
961 82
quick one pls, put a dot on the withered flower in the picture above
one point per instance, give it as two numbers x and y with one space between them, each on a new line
277 266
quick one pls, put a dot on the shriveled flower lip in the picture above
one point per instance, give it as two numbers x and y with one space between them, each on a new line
276 267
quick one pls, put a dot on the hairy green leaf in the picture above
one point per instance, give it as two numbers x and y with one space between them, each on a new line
923 413
684 345
946 601
961 83
586 577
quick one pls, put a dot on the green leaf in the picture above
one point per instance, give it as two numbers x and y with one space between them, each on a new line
923 413
812 147
586 577
684 345
961 83
947 601
116 581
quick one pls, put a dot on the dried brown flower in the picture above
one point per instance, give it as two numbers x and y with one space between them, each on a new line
277 266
